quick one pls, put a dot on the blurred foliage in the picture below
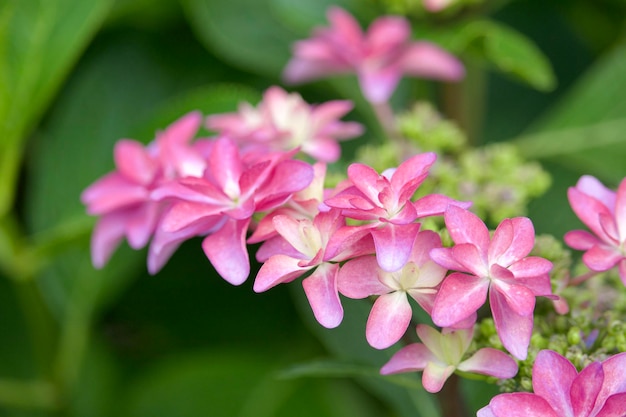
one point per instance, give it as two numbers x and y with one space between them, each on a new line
77 75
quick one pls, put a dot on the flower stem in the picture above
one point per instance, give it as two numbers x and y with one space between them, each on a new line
450 400
582 278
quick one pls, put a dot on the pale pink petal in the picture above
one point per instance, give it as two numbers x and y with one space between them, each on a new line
436 205
112 192
141 223
614 375
276 270
585 388
426 60
322 149
607 222
345 26
435 375
522 404
184 213
512 241
358 278
466 227
594 188
411 358
471 258
601 258
553 375
225 166
424 242
365 179
445 258
414 168
622 270
387 33
226 249
321 291
378 86
105 238
133 161
485 412
288 177
394 244
436 5
529 267
388 320
459 297
513 329
490 361
518 297
620 210
588 210
274 246
581 239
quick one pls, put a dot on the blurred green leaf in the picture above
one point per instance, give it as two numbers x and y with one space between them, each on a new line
237 383
503 48
39 42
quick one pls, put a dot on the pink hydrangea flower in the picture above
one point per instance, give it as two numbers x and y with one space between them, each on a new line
497 265
599 390
122 198
440 354
379 57
603 211
284 121
437 5
391 312
383 203
232 189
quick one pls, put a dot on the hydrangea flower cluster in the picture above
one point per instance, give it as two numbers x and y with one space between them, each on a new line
365 237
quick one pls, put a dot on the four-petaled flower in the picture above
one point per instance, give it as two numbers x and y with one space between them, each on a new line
599 390
498 265
440 354
379 57
604 212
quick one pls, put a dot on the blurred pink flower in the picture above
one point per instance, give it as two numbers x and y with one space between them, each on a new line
599 390
122 198
440 354
283 121
437 5
604 212
379 57
391 313
497 265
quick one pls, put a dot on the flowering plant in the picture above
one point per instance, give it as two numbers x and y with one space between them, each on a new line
423 277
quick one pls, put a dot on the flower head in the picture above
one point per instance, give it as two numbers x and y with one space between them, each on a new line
440 354
599 390
603 211
379 57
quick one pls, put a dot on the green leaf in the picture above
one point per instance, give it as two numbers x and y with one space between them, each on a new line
39 42
502 48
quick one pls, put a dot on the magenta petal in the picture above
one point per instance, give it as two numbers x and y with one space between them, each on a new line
321 290
424 59
585 388
522 404
276 270
620 209
470 257
588 210
132 161
394 244
614 406
518 297
512 241
388 320
490 361
414 167
614 375
601 258
226 249
553 375
459 297
513 329
358 278
378 86
466 227
413 357
140 225
581 239
365 179
105 238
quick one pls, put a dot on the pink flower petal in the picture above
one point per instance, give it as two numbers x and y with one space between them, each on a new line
435 375
413 357
512 241
513 329
614 375
105 238
459 297
518 297
620 209
140 224
133 161
112 192
522 404
471 258
412 173
321 290
553 375
490 361
466 227
436 205
276 270
601 258
424 59
378 86
445 258
581 239
358 278
386 33
394 244
388 320
585 388
614 406
226 249
594 188
588 210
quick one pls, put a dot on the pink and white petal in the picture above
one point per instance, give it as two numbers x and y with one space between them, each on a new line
388 320
466 227
377 86
183 130
274 246
437 204
359 278
328 112
601 258
435 375
287 178
614 375
485 412
424 242
365 179
513 329
324 149
585 389
226 167
276 270
459 297
429 275
512 241
133 161
426 60
490 361
411 358
614 406
321 290
105 238
553 376
300 233
581 239
522 404
226 249
594 188
531 266
394 244
588 210
518 297
445 258
346 239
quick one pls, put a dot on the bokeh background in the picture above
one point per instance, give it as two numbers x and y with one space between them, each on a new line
77 75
